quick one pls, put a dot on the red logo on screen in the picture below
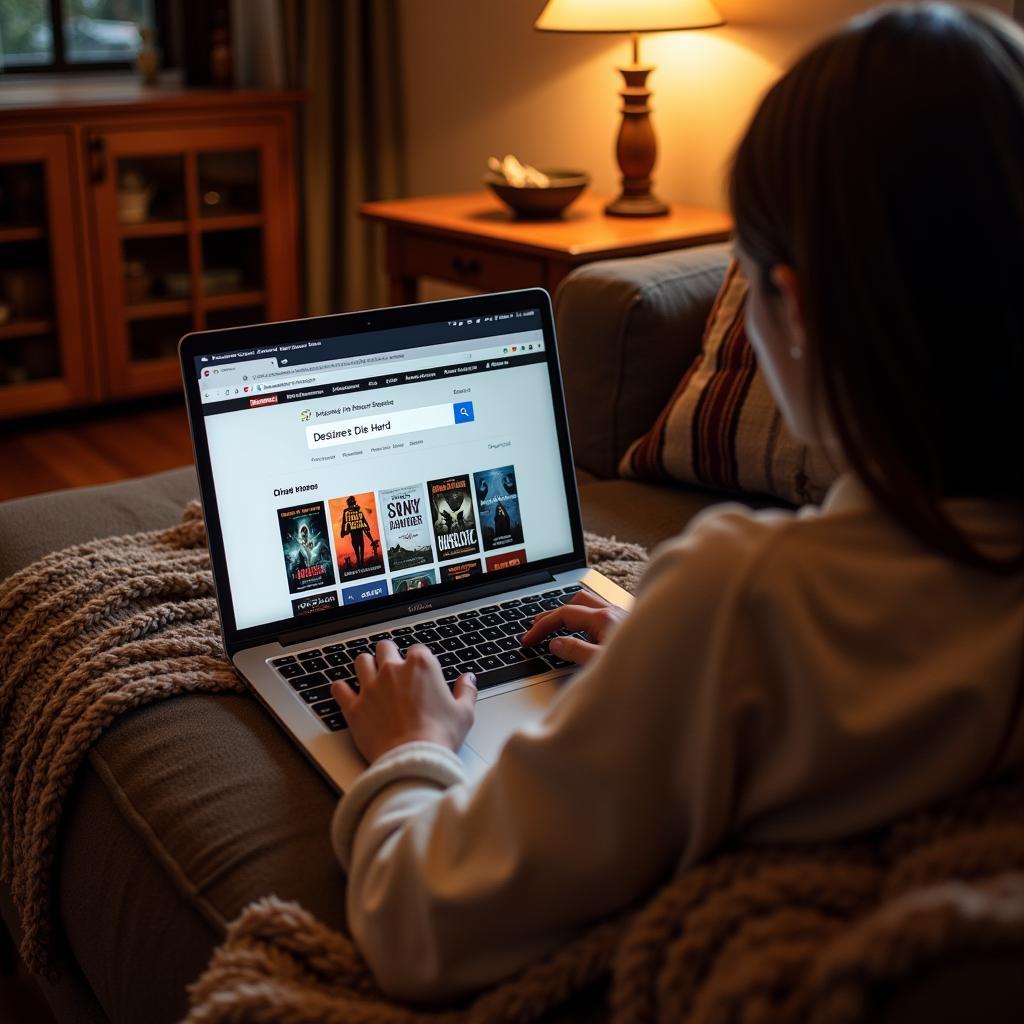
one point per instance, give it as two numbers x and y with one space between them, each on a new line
269 400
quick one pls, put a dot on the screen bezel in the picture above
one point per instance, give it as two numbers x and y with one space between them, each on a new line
208 343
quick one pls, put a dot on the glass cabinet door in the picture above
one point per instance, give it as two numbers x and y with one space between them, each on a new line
42 336
189 225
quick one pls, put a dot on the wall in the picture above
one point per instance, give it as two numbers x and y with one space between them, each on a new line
480 81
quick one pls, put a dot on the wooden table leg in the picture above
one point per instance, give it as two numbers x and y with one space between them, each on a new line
403 291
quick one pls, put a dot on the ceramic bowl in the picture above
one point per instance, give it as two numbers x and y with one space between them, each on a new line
537 203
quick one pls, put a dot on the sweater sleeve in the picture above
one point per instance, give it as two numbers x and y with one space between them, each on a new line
451 889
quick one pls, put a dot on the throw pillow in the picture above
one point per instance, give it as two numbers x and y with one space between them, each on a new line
721 427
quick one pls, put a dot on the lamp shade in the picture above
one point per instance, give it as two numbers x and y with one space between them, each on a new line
626 15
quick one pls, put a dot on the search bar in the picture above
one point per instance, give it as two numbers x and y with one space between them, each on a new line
388 424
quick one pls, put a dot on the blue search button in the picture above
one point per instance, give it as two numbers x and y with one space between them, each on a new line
464 412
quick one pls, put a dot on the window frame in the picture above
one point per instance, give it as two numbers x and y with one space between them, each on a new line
60 65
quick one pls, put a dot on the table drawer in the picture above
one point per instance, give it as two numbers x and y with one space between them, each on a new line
470 265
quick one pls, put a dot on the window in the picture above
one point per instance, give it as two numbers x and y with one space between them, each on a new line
65 35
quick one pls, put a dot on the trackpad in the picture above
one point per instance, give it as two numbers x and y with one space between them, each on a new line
499 716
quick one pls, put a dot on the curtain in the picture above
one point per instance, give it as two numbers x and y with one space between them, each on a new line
346 55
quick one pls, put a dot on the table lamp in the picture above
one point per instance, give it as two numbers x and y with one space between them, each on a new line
636 147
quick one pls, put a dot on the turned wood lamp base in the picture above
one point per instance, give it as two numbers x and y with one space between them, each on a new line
636 147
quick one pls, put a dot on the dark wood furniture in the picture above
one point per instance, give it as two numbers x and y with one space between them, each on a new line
474 241
129 217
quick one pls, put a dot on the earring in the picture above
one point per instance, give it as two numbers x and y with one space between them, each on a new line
796 352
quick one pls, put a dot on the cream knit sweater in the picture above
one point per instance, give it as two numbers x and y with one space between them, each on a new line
783 677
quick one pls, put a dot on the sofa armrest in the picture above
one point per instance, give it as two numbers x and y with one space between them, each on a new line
627 331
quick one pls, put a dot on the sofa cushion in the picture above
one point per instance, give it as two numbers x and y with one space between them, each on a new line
627 330
721 428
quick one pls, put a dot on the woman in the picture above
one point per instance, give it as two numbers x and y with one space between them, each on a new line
783 677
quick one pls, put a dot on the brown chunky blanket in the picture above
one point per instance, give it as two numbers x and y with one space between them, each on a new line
765 935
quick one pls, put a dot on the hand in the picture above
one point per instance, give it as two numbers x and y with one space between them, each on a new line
585 611
404 700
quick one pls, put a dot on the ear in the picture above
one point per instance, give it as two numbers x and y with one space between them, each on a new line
791 295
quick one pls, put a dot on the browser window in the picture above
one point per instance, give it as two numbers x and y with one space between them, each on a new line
347 470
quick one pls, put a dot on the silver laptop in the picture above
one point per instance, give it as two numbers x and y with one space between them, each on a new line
402 473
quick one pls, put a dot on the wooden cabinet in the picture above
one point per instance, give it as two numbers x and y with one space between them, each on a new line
129 218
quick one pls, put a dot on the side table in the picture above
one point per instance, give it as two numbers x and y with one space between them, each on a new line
473 240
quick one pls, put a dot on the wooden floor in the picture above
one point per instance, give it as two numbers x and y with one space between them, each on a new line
51 452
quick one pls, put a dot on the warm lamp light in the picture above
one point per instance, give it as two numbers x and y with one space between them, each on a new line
636 147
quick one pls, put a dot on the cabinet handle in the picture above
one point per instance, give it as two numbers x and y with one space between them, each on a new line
97 147
466 268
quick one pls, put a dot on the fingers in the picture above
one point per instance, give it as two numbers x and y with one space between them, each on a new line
569 616
464 691
572 648
345 696
386 651
585 597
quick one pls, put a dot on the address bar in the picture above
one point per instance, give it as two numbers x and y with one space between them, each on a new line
340 364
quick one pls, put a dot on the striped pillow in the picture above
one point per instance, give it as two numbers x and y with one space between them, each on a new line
721 427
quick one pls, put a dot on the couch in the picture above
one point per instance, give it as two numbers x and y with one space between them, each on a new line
188 809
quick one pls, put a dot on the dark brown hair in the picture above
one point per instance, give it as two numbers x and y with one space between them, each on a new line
887 168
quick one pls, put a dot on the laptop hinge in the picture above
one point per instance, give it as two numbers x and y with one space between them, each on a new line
298 636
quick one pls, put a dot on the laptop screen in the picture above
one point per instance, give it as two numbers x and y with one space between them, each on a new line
350 469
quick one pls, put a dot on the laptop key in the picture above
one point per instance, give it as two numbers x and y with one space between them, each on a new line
469 653
377 637
402 631
429 624
488 609
316 694
451 673
571 590
470 624
514 628
472 636
426 636
314 664
469 666
512 657
487 663
403 643
306 655
499 673
339 658
308 682
492 619
449 658
335 722
446 620
488 647
435 648
555 662
493 632
453 644
331 648
326 708
289 660
511 604
467 615
354 652
447 631
291 671
359 641
508 643
511 614
550 604
531 610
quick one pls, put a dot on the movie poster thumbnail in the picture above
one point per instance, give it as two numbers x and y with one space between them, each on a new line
413 581
506 560
315 603
454 520
460 571
406 527
307 550
498 502
357 542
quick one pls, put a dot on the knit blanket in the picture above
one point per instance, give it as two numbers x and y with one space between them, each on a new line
766 935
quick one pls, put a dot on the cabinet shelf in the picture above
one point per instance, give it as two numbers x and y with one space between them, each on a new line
24 328
229 222
28 233
159 308
154 229
233 300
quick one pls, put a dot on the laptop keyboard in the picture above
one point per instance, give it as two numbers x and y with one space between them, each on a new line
485 641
